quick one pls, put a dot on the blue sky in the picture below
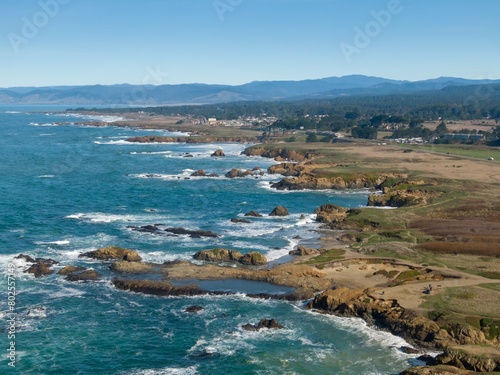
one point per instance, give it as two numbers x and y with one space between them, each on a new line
81 42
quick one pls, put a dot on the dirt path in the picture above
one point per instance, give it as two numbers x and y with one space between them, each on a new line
357 272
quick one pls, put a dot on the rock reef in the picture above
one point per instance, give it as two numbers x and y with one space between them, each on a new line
113 253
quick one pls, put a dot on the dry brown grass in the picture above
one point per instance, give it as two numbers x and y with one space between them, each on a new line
460 125
483 249
468 229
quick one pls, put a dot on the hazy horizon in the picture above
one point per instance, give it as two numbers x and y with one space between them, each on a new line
235 85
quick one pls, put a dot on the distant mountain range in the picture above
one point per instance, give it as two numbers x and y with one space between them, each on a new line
124 94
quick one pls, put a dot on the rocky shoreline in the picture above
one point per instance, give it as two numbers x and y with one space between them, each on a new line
312 283
194 140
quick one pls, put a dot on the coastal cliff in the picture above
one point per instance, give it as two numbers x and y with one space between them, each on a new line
386 314
311 182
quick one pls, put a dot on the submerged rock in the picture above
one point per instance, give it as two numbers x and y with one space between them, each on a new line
26 258
87 275
253 214
279 211
238 173
159 288
41 267
241 221
192 233
193 309
67 270
199 173
264 323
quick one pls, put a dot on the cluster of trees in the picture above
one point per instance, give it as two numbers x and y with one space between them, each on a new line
361 115
452 103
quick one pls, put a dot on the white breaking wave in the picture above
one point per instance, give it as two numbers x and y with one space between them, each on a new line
102 118
47 124
100 217
330 192
191 370
161 257
151 153
120 142
58 243
374 335
184 176
226 345
47 176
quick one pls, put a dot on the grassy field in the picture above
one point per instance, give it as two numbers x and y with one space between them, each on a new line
472 300
328 256
480 152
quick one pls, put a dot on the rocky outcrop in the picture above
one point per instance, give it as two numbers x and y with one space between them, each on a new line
202 173
67 270
279 211
134 267
192 233
159 288
239 173
218 153
87 275
304 251
113 253
466 335
253 258
132 256
160 230
434 370
240 221
253 214
263 324
400 198
194 309
218 255
199 173
466 361
307 280
41 267
286 169
387 314
331 214
310 182
26 258
275 153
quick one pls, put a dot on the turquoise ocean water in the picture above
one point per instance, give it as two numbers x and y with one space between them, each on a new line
67 189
